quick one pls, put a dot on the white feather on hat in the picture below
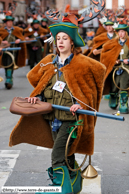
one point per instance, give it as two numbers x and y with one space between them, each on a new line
115 25
49 40
39 18
103 19
2 16
30 20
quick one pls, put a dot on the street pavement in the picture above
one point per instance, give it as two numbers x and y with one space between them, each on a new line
25 165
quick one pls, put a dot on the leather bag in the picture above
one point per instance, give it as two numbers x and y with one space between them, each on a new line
21 106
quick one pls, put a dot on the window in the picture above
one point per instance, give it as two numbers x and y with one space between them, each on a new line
75 3
109 4
1 6
86 2
121 3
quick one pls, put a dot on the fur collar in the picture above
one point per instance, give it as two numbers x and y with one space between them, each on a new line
100 30
16 32
99 41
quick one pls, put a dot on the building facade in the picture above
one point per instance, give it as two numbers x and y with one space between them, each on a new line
20 11
113 4
75 5
4 4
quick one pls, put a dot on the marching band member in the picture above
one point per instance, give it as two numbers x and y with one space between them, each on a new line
114 51
11 33
69 79
101 39
34 48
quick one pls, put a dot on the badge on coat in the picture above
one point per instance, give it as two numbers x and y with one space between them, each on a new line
35 34
122 52
30 29
59 86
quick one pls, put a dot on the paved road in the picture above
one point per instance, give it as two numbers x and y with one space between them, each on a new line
25 165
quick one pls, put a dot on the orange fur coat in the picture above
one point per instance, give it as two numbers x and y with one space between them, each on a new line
97 42
109 55
100 30
84 77
22 54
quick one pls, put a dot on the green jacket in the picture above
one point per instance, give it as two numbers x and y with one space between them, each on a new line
55 97
125 55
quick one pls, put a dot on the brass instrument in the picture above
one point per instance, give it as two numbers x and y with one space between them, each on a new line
1 79
89 171
116 68
13 61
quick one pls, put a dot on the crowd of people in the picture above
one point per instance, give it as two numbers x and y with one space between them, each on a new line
70 77
110 47
33 36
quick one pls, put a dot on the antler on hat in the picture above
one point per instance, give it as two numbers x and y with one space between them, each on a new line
90 12
68 23
33 11
112 16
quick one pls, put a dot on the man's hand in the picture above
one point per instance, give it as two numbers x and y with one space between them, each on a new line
5 42
17 41
118 62
26 38
97 51
74 108
126 61
42 36
32 99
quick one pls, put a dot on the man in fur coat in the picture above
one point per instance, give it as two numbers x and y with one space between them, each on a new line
117 78
100 30
11 33
47 48
69 79
34 48
101 39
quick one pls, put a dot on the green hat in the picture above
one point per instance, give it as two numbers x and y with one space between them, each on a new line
122 27
8 18
108 22
44 20
35 21
70 29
